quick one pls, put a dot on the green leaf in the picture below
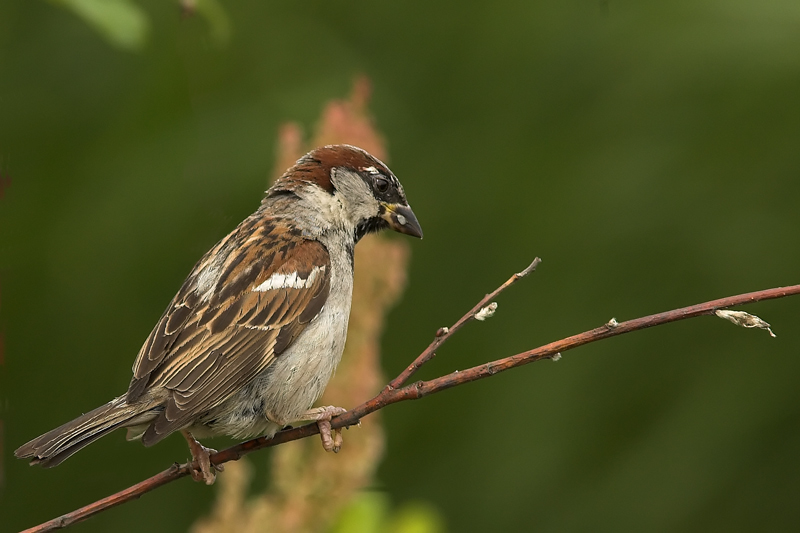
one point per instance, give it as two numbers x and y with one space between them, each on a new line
121 22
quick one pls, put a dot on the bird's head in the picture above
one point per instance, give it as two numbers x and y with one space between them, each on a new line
352 187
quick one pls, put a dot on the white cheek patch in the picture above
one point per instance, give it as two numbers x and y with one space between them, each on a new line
289 281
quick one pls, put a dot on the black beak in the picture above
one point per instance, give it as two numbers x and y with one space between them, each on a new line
402 219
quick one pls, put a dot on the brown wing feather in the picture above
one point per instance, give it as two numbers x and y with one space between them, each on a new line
214 338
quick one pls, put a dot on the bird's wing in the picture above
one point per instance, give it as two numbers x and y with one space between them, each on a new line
243 305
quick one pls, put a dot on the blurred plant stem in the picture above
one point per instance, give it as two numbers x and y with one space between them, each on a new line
219 24
309 488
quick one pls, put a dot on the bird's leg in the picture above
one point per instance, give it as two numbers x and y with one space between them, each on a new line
323 415
207 472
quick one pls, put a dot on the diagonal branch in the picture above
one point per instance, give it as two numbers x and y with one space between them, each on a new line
394 392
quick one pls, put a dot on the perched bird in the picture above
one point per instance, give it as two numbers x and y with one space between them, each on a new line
256 331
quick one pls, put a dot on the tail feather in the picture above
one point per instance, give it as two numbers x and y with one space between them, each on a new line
56 446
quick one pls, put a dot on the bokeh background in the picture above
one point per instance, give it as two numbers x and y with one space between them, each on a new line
648 152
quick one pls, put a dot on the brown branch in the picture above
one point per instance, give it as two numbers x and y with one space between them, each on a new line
392 394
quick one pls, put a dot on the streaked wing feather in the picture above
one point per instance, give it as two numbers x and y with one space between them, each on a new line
201 352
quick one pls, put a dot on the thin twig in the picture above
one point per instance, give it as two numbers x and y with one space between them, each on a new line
420 389
445 333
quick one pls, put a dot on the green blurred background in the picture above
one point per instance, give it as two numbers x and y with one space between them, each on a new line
648 151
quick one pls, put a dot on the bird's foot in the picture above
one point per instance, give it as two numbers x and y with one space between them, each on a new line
204 471
323 415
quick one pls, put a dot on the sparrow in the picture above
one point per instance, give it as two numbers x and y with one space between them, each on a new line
256 331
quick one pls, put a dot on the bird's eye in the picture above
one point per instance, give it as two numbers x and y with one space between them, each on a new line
381 185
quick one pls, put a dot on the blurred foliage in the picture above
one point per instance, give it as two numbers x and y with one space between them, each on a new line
125 25
370 513
647 151
122 22
215 15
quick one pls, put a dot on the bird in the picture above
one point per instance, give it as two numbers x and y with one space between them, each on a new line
251 339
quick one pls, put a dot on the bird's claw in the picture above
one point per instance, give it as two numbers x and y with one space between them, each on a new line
331 438
202 469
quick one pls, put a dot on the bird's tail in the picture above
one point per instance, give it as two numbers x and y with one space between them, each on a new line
57 445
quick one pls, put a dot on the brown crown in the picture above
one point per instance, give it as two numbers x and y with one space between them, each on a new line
315 166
